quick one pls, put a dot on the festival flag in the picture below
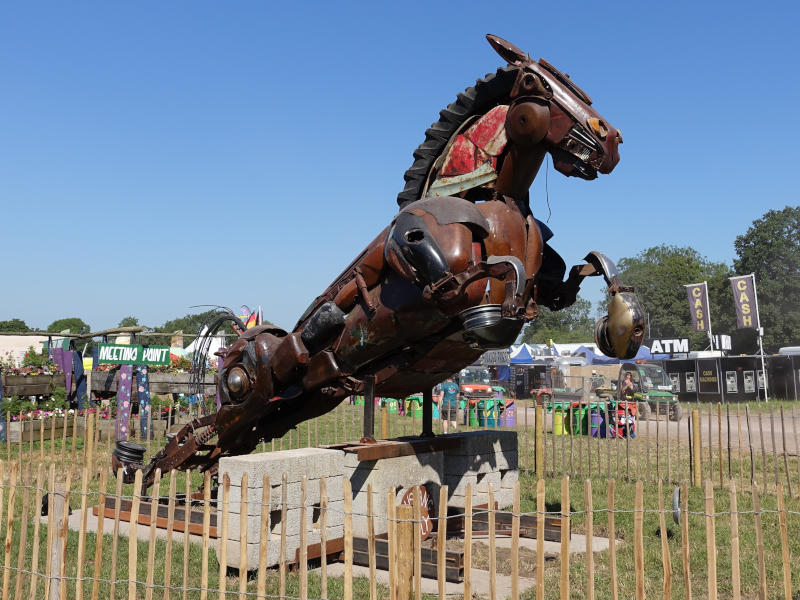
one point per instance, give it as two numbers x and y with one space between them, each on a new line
744 298
698 306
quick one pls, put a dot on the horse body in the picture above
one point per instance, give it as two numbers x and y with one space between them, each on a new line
461 268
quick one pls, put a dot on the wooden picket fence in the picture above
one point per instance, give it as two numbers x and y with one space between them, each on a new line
737 535
44 558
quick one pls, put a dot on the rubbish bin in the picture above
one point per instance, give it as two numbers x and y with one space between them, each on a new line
508 418
414 407
579 424
480 413
471 415
490 408
595 421
559 423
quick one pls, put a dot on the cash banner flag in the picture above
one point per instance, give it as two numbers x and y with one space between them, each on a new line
744 297
698 305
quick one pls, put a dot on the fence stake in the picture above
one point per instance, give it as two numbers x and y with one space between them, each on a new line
739 447
36 526
151 542
554 464
565 528
41 439
417 505
774 445
539 442
51 534
736 578
492 546
392 538
787 564
612 543
12 492
467 543
303 567
373 590
186 522
90 443
132 537
572 434
711 540
763 450
441 547
785 458
74 438
514 547
710 446
647 444
23 540
696 460
658 440
540 508
264 531
762 569
348 537
587 498
796 441
206 533
669 452
405 540
53 434
719 440
750 444
170 529
282 556
638 542
728 417
63 530
115 532
64 436
666 562
82 534
222 528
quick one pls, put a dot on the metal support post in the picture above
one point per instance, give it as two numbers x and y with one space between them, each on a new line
427 413
369 409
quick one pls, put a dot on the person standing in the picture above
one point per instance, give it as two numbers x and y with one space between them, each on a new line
448 403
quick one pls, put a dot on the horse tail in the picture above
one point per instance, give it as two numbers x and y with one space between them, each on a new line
477 100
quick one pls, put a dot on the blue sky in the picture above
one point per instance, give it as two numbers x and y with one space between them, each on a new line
155 156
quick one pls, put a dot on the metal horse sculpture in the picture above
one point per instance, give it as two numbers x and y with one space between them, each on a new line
460 269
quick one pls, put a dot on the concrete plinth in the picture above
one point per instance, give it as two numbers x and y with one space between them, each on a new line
479 458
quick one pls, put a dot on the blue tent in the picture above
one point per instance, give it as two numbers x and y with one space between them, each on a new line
521 356
601 359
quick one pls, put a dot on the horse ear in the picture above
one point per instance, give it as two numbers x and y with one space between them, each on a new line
508 51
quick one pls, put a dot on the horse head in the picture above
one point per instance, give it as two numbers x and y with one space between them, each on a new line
580 140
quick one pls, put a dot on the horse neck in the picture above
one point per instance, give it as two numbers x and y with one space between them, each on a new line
520 166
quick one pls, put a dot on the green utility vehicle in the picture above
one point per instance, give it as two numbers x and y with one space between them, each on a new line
652 390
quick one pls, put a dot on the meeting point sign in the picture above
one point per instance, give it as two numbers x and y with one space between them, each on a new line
122 354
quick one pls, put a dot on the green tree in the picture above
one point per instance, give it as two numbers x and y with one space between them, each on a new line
659 274
74 324
14 325
770 248
570 325
128 322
